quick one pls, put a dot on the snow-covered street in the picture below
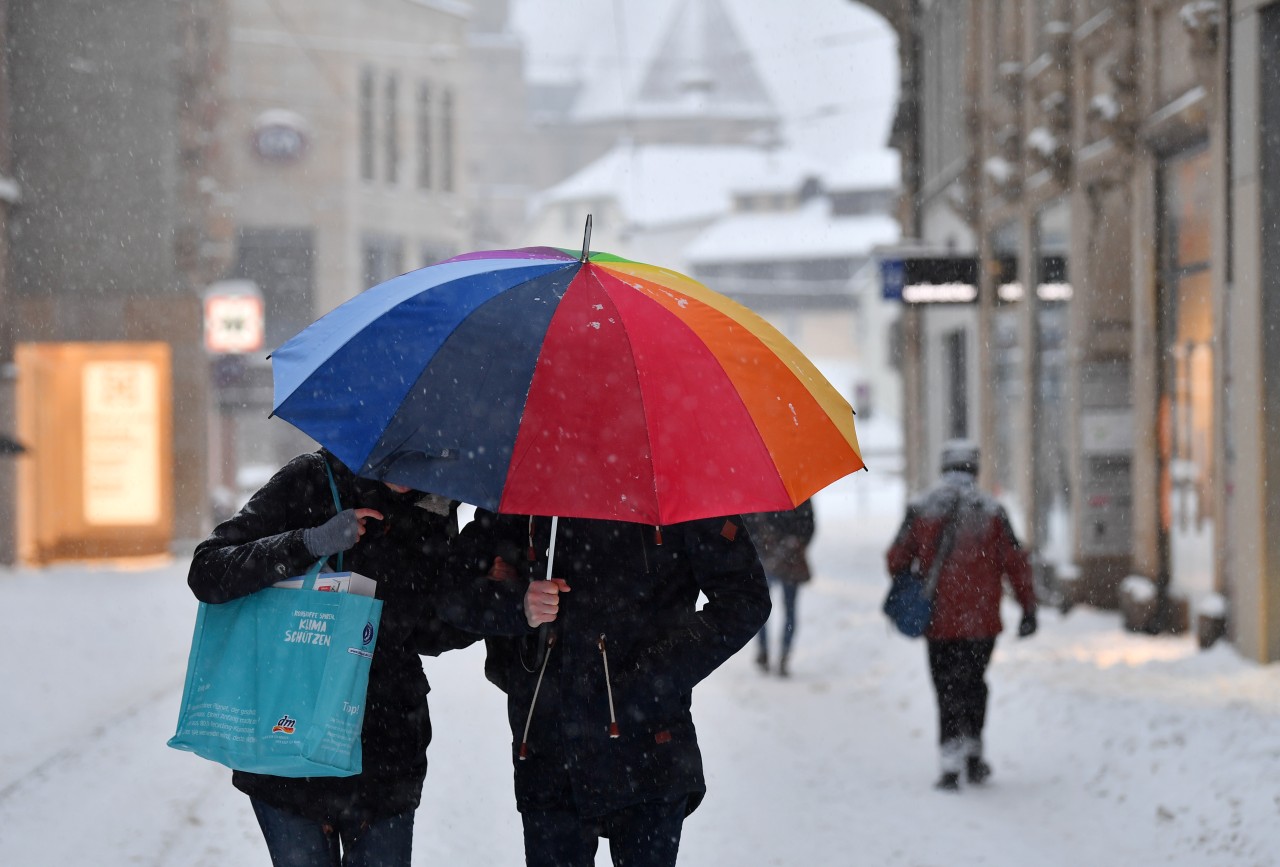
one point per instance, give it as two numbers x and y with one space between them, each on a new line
1108 748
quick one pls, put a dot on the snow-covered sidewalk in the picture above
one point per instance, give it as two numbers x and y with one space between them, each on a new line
1108 748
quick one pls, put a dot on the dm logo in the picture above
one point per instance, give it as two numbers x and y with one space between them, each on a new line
368 633
286 725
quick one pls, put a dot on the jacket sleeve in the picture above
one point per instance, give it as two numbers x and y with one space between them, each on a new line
695 642
262 543
905 547
469 599
434 636
1016 565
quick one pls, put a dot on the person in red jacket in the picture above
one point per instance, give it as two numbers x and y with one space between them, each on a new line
983 553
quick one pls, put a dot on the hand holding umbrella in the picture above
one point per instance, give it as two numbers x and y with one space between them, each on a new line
542 600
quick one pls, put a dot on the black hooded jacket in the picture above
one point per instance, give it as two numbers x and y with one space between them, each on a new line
262 544
635 589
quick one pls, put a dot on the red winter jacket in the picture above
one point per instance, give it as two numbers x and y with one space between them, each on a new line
967 601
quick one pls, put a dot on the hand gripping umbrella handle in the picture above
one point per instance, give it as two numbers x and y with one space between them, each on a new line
544 631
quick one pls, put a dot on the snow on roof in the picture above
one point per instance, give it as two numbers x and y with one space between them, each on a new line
665 184
809 232
867 170
699 68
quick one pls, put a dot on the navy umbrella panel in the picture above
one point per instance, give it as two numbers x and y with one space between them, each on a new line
360 379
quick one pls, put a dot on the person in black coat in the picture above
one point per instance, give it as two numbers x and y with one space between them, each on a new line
599 700
783 538
399 538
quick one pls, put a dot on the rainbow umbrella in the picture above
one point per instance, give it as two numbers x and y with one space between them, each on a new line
538 381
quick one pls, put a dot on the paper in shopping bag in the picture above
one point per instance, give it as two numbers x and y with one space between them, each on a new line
276 682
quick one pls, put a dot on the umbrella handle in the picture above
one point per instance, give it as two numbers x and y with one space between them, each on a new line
544 631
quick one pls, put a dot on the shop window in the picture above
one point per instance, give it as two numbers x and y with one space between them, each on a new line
1186 418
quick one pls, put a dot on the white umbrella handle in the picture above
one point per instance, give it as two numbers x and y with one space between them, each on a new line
551 546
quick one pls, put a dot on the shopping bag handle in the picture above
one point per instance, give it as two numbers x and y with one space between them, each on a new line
313 572
337 505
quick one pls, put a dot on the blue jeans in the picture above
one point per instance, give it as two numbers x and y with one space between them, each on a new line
790 592
295 841
645 835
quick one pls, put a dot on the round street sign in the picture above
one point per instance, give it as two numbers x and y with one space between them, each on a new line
233 322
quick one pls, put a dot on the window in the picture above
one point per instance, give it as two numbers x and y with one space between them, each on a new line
391 128
446 141
958 384
282 262
383 258
943 99
366 120
424 135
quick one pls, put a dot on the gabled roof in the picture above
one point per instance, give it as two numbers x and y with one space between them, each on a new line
701 68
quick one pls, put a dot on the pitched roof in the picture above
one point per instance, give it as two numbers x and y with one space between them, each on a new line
700 68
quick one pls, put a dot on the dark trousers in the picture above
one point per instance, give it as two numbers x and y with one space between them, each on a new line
645 835
294 841
790 593
958 668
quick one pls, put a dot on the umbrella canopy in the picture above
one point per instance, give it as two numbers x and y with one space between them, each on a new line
536 381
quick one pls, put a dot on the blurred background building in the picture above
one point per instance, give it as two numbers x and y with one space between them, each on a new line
342 134
112 201
1065 259
183 186
1118 156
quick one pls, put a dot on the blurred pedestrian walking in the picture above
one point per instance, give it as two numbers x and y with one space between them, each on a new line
782 540
971 531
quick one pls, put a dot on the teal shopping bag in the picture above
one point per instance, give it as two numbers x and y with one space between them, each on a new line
276 682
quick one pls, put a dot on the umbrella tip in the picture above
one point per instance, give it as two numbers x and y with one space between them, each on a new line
586 240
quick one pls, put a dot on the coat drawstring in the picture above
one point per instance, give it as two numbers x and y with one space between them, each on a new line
608 688
533 702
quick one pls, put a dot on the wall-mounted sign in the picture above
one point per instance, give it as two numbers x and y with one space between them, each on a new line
893 278
930 279
954 279
120 418
280 135
98 478
234 318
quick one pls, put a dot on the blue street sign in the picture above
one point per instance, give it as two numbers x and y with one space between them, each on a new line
893 277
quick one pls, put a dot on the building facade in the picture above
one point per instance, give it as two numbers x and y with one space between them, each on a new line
1113 155
113 221
344 136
